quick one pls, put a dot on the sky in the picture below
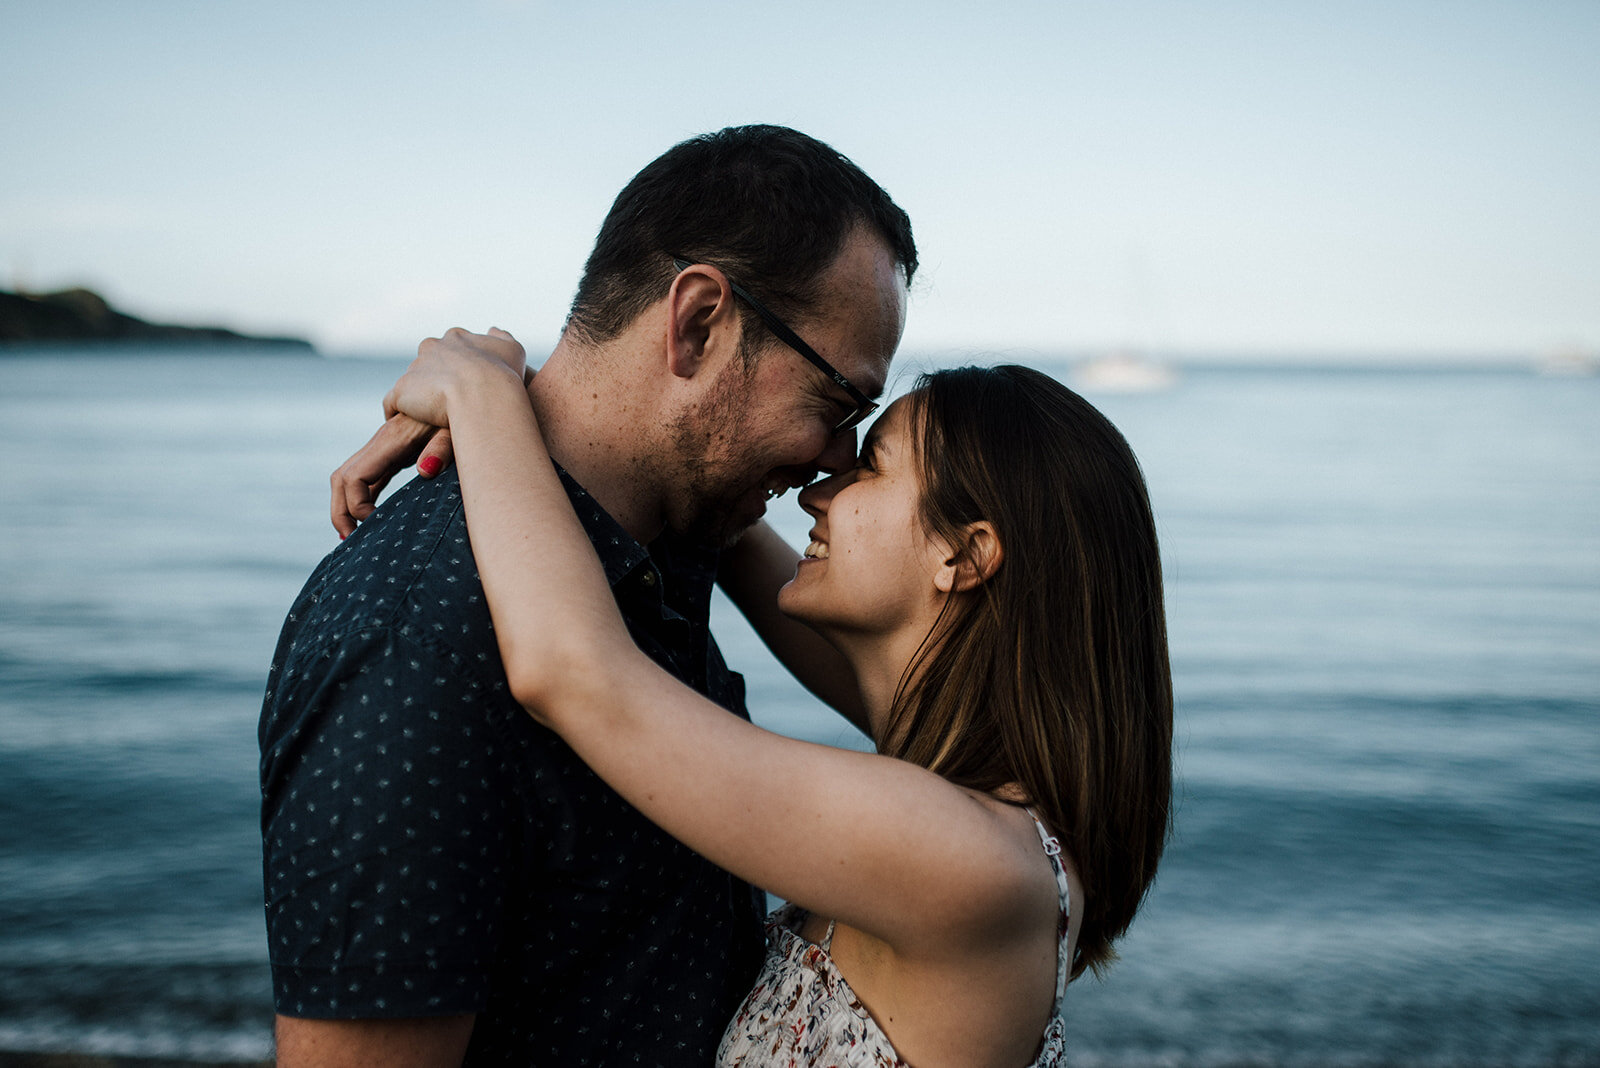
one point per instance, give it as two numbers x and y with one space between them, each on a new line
1287 179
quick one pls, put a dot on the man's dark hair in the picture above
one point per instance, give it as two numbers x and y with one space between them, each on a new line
769 205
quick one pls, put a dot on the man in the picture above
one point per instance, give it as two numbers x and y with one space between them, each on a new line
445 881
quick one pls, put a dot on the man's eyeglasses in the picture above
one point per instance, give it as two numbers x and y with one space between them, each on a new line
864 405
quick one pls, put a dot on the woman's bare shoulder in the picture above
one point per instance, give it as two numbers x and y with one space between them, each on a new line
1019 895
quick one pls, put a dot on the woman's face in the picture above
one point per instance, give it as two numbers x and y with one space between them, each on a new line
870 567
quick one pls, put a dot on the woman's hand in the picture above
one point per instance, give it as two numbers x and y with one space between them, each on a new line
444 365
399 442
402 440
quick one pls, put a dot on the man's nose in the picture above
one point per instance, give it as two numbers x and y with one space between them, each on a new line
840 455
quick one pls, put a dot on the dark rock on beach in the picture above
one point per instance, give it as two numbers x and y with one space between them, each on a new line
83 316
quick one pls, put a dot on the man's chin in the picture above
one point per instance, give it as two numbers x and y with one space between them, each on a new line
719 528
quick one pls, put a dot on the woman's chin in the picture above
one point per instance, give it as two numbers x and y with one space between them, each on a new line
797 604
791 602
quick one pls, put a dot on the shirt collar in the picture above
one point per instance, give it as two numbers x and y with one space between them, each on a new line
689 572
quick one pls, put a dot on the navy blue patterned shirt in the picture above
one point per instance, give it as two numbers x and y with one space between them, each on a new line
429 849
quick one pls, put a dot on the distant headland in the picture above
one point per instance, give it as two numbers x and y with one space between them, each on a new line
82 316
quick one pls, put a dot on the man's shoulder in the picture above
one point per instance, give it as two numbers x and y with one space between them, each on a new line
391 626
413 544
421 530
408 569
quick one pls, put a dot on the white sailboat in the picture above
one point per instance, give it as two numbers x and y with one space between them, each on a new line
1122 371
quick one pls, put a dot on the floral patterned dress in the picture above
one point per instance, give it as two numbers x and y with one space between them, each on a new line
802 1013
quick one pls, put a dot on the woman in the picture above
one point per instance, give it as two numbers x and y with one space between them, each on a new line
988 586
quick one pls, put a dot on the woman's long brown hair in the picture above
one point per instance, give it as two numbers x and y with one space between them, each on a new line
1053 674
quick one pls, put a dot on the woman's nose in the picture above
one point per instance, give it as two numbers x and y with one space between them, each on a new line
816 497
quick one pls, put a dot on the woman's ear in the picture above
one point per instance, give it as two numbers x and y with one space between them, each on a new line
973 562
699 311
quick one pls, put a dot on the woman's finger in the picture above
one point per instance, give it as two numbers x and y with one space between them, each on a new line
436 454
356 483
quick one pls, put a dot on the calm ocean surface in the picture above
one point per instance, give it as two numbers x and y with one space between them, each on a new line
1384 595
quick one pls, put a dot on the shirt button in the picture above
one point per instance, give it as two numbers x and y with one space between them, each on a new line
649 580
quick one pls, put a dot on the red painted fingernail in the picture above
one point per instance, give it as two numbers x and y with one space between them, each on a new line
429 465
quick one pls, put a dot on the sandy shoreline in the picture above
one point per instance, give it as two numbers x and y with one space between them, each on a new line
18 1059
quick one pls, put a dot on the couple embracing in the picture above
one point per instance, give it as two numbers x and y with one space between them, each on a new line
514 811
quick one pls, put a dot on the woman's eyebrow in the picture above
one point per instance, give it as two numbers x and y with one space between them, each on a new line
871 451
870 441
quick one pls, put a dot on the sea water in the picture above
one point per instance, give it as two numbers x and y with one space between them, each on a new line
1384 601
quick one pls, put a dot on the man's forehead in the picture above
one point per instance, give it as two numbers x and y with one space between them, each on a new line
873 363
873 320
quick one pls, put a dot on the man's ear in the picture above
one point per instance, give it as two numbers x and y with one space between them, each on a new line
700 319
973 562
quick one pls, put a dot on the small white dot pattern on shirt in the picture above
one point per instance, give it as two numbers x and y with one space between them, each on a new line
429 849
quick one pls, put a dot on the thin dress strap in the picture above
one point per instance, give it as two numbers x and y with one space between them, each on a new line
1052 850
827 939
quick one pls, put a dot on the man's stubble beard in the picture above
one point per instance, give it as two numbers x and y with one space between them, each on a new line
710 477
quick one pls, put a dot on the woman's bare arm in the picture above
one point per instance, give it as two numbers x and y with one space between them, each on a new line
884 846
751 573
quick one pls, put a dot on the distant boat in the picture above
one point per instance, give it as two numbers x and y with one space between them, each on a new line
1123 371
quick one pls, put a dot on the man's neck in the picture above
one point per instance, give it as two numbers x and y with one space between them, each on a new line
598 434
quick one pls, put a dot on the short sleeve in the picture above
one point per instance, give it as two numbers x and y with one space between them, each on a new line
387 815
